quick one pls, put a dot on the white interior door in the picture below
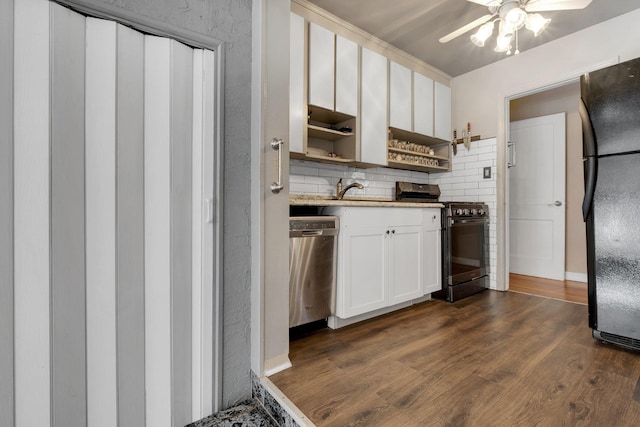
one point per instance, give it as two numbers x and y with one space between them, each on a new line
537 197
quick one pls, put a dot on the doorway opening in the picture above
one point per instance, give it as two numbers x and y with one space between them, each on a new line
527 181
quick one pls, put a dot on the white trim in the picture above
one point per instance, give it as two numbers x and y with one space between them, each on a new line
32 214
576 277
276 364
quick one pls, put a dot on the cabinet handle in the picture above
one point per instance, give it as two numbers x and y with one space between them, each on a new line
512 162
387 231
393 231
277 144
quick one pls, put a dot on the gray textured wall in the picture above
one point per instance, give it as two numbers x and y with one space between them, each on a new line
230 22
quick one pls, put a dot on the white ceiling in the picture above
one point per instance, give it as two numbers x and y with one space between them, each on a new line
416 25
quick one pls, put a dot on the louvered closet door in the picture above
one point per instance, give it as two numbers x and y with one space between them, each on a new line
116 298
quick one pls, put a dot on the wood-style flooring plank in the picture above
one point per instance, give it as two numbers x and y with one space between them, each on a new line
493 359
565 290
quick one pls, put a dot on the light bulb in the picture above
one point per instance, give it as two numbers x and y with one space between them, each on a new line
483 33
503 41
536 23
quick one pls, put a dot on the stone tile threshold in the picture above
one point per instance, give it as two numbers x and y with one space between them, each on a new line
268 407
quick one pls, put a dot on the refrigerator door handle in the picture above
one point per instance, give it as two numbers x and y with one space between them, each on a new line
591 161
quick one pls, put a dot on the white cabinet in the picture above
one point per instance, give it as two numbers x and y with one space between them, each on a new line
422 104
373 108
432 251
380 258
297 107
346 76
362 270
442 103
321 67
400 88
333 71
405 263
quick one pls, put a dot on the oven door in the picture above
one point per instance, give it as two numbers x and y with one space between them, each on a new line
467 251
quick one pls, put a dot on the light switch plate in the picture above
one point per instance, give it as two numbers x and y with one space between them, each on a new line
486 172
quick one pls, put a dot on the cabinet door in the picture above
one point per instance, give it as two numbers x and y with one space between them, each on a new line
399 97
406 261
373 108
321 67
442 121
296 84
422 104
432 251
346 76
362 271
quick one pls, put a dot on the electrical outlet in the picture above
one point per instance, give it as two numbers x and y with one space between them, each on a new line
486 172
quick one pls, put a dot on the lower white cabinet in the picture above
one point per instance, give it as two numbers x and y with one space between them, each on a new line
405 259
362 270
432 251
386 256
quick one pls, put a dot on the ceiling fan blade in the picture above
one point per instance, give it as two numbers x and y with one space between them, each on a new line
546 5
470 26
486 2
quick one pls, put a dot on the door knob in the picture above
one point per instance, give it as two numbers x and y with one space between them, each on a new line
556 203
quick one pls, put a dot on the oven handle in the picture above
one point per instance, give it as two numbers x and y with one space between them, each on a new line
468 221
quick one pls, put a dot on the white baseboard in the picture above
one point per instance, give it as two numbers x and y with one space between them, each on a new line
575 277
276 364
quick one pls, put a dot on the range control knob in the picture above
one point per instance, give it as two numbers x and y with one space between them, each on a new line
458 211
472 211
481 212
465 211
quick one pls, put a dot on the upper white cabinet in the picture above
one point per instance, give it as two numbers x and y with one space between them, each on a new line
373 108
297 107
442 122
422 104
346 76
321 67
400 97
333 71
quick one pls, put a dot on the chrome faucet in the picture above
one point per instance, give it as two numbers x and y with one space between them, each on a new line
340 191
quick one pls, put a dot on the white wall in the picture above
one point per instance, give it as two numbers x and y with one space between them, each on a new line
479 96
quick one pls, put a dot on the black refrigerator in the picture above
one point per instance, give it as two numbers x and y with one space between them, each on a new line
610 113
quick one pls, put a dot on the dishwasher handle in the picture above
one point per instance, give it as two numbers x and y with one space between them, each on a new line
314 233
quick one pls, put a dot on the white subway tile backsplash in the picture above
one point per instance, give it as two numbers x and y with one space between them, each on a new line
467 168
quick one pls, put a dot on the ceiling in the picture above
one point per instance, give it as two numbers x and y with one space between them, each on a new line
416 25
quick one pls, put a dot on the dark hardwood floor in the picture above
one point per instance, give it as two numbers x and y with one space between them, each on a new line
493 359
565 290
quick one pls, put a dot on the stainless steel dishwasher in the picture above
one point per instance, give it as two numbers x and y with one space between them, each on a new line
313 244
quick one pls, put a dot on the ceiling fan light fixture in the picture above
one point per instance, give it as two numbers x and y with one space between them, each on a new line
503 41
483 33
536 23
516 17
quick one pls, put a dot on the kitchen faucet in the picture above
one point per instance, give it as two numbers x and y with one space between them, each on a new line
340 191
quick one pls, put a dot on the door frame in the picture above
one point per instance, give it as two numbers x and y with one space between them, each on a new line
508 177
502 190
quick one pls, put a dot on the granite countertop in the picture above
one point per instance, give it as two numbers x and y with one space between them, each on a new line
319 200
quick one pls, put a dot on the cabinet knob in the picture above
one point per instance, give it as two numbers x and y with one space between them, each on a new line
393 231
387 231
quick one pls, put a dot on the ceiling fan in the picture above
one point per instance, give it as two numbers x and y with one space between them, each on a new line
511 16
